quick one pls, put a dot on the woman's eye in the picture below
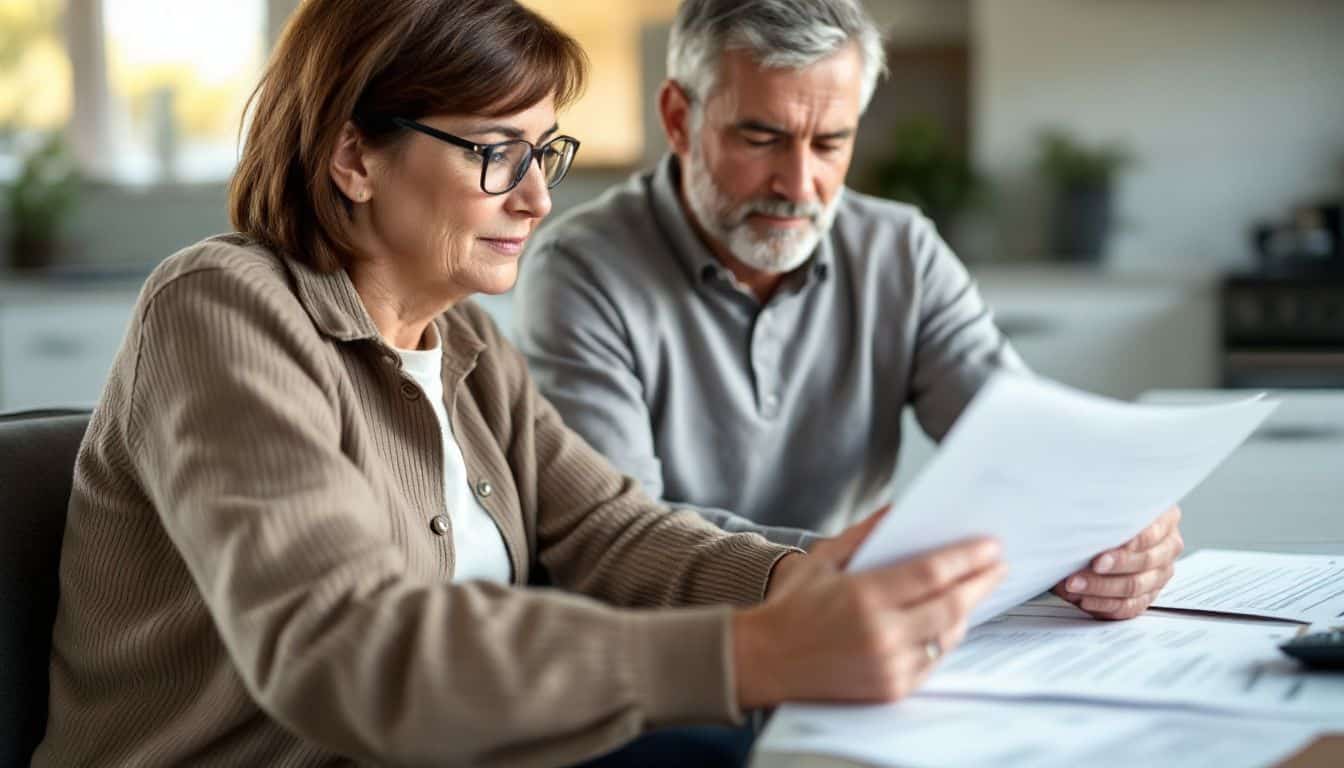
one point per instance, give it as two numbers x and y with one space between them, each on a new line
759 142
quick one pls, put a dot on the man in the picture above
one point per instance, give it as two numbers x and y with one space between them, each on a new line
739 332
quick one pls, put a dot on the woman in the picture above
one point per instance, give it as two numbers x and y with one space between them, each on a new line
309 504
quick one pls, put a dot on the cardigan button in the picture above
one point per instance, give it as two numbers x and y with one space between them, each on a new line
484 489
410 391
439 525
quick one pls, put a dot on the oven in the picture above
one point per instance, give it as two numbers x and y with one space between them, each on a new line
1283 330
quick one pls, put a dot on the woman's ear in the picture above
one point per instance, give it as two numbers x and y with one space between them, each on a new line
349 165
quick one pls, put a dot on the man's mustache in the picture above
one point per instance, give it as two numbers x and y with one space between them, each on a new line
778 208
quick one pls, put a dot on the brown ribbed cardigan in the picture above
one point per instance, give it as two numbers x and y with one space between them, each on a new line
249 575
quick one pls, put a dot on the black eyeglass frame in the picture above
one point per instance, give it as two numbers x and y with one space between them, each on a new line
484 150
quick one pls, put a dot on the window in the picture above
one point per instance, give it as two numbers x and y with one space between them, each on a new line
148 91
152 91
609 118
35 96
177 77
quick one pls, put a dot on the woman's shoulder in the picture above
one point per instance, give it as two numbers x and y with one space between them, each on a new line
230 258
229 283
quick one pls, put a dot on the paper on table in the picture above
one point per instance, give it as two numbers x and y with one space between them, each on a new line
1306 588
1213 664
926 731
1057 475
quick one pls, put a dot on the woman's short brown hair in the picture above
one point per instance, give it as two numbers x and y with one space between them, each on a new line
361 61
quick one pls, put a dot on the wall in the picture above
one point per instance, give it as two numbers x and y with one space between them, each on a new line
119 226
921 22
1235 108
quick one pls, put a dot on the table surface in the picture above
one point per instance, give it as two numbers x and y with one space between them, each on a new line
1281 491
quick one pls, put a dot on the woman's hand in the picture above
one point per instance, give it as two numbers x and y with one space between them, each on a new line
826 635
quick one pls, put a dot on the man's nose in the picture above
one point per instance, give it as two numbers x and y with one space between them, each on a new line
792 179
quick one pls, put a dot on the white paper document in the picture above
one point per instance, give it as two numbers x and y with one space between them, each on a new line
1211 664
1306 588
926 731
1056 475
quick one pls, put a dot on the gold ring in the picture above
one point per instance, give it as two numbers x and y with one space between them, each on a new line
933 649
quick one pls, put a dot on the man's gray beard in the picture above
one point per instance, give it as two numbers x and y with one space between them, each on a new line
776 253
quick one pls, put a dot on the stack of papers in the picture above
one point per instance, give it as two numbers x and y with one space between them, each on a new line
1201 663
1059 476
935 732
1306 588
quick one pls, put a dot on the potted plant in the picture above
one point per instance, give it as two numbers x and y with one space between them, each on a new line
1081 181
40 201
923 169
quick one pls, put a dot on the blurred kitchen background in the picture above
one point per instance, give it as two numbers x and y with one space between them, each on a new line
1148 191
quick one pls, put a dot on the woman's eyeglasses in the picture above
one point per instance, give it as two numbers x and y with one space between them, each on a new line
504 164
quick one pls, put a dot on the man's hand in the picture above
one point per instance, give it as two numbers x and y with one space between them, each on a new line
1121 583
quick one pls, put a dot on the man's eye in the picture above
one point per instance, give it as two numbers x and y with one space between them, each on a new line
827 149
499 156
759 142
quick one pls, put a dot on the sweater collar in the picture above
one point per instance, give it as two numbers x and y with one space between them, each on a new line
331 300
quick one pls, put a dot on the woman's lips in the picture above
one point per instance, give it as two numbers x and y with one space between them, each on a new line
511 246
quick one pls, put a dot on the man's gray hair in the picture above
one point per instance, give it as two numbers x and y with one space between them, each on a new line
790 34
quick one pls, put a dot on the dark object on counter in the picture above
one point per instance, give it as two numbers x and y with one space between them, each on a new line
1318 650
1283 330
1283 325
1312 241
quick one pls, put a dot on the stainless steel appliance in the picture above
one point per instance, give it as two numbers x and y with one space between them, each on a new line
1283 329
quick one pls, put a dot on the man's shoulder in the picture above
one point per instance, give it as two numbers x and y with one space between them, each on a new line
602 230
867 216
885 237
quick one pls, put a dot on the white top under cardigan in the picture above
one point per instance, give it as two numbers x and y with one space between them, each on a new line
478 546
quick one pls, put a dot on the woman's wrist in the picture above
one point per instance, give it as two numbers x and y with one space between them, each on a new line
754 672
781 572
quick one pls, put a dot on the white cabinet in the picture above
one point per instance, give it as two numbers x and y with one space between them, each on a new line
1115 335
1112 334
57 346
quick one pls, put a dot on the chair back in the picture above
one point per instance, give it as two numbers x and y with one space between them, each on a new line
37 463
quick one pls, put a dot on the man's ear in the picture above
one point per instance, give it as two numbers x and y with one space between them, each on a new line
674 109
348 168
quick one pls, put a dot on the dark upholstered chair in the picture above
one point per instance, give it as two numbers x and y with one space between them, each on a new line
37 461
